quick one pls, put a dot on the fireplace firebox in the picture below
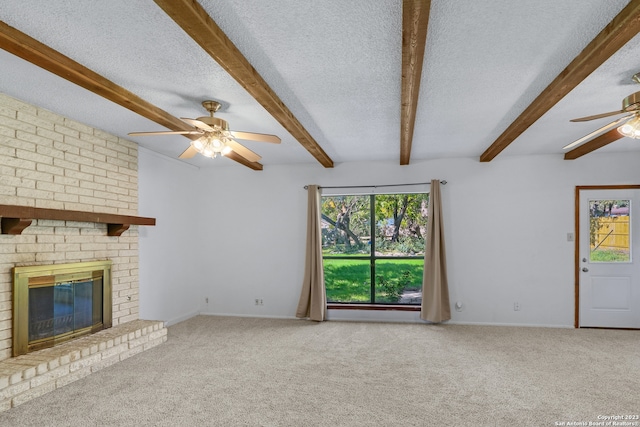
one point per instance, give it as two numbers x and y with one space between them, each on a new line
55 303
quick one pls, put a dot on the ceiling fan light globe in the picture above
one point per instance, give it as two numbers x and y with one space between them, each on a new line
625 129
197 144
226 150
217 144
208 152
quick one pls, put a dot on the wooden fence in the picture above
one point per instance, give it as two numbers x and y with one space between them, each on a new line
612 233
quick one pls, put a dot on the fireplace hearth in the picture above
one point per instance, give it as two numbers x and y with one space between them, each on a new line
56 303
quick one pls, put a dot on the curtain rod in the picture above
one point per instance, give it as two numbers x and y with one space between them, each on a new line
442 181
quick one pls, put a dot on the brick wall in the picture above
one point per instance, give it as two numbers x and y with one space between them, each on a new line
49 161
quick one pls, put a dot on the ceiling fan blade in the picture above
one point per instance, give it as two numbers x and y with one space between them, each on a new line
243 151
598 116
597 131
198 124
261 137
188 153
167 132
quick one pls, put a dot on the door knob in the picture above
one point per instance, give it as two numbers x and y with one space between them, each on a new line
585 269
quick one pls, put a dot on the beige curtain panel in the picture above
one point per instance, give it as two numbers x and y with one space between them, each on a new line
435 289
313 299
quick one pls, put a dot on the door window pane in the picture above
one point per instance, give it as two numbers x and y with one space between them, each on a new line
609 230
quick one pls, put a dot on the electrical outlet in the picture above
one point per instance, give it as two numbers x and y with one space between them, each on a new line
259 301
206 300
516 306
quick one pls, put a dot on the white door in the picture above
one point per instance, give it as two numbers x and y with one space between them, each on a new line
609 280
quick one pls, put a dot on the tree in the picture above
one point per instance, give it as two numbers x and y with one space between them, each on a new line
407 208
348 215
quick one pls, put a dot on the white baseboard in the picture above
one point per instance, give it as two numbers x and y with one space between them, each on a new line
521 325
264 316
334 316
179 319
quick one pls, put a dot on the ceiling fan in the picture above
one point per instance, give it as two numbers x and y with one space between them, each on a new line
216 138
631 129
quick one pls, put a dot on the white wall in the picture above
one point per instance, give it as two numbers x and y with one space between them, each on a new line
506 222
170 274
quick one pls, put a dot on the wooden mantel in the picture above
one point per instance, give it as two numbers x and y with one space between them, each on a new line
17 218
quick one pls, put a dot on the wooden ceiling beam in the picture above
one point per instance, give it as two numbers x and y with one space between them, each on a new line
596 143
615 35
195 21
415 20
30 49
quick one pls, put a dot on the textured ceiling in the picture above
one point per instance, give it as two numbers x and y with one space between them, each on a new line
337 66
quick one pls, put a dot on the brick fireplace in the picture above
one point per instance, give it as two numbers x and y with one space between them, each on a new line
48 161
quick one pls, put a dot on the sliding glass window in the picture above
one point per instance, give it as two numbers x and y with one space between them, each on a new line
373 247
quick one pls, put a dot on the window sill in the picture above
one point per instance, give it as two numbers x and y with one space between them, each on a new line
331 306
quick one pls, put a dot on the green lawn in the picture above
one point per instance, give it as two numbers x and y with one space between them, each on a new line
348 280
609 255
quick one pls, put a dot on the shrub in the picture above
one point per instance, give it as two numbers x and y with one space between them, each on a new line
394 288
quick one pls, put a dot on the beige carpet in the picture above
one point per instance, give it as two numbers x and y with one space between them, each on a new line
221 371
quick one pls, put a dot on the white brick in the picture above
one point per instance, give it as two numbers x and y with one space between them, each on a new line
73 376
79 191
66 180
35 157
49 204
32 117
16 124
131 352
90 153
34 175
14 390
66 165
51 257
55 171
14 162
106 136
78 126
90 185
84 362
66 131
50 134
6 110
97 142
49 151
34 194
78 159
50 186
35 140
50 116
4 380
34 247
63 197
33 393
64 147
50 376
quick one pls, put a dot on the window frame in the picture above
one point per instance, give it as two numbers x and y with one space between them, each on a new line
372 258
